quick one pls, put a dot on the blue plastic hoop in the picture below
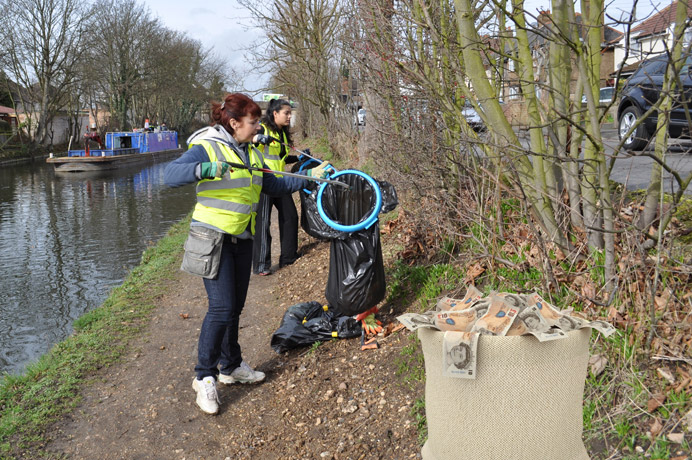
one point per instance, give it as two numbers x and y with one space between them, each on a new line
311 160
366 223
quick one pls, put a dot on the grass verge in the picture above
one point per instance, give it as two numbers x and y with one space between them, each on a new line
49 388
418 285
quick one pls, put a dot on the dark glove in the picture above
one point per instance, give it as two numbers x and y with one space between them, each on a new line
305 156
213 169
261 139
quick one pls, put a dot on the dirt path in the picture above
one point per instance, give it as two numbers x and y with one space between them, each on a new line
332 402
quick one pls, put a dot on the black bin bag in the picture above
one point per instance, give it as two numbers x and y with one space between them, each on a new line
308 322
310 219
356 280
356 272
345 206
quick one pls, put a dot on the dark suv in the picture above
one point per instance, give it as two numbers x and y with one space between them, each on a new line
641 91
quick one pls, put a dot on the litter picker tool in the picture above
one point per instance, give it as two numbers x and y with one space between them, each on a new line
283 173
352 177
294 149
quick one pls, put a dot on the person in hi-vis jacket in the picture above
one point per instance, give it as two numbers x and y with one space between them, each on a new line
219 244
275 124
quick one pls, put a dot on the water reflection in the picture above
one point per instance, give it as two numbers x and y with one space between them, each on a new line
66 240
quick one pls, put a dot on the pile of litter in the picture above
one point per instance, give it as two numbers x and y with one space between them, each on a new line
309 322
347 216
498 314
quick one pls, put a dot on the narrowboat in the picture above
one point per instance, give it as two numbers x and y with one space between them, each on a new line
120 148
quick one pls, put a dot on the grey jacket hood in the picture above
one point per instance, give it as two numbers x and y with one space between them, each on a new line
213 133
219 134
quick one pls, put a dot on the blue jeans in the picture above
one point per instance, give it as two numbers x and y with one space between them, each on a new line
218 339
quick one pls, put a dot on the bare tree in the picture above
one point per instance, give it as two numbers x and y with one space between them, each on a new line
378 77
302 38
44 43
120 53
181 75
453 55
423 65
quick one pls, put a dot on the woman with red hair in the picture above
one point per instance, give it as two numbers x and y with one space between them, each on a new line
219 245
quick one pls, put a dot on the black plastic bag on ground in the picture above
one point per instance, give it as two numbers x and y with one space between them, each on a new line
356 273
308 322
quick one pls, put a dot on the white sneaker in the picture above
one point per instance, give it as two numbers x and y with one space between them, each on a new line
242 374
207 396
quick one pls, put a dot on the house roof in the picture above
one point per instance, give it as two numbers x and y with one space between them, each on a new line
611 36
6 110
658 22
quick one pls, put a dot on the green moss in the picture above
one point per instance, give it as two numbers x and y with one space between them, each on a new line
684 215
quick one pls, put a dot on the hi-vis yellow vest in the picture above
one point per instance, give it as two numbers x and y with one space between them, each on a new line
229 203
272 151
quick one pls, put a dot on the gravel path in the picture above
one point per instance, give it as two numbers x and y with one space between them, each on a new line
334 401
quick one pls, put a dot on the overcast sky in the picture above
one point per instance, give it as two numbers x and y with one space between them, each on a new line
223 26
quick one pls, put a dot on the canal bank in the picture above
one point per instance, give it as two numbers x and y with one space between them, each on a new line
129 395
329 401
51 387
23 160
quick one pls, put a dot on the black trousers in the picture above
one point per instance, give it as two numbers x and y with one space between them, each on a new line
288 232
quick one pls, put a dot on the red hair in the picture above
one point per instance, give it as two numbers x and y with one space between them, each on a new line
235 105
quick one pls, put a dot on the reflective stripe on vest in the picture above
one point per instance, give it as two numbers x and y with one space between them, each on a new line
229 202
272 152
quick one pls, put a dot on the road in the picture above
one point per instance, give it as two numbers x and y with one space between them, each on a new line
634 168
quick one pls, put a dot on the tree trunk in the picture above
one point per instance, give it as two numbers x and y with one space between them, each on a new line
377 24
588 61
653 192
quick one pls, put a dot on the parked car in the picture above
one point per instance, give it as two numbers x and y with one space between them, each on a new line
361 117
473 118
640 92
605 96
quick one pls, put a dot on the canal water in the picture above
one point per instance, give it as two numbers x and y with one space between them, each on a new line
66 239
